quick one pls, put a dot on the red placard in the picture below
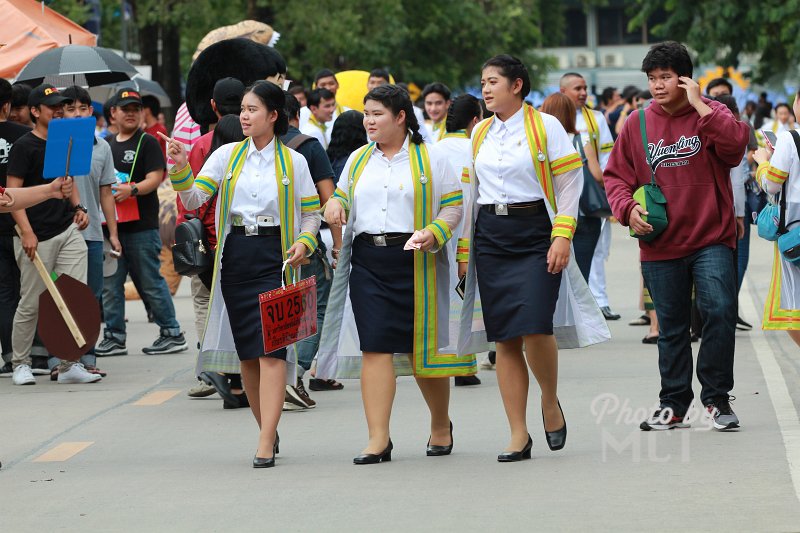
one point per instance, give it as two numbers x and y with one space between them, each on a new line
289 314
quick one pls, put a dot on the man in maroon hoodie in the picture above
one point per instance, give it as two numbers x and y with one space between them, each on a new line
694 142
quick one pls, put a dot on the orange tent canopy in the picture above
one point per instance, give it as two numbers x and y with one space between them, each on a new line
28 29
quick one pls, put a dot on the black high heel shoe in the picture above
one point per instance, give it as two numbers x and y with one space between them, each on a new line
435 451
372 458
268 462
556 439
512 457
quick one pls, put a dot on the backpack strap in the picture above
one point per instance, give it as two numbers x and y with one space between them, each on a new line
782 219
297 141
643 130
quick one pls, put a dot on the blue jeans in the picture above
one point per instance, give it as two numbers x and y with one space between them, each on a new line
94 279
585 241
9 293
743 251
140 256
319 267
713 271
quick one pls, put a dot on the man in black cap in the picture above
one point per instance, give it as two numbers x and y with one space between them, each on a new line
51 229
139 165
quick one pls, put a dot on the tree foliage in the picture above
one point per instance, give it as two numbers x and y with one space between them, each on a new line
417 40
720 32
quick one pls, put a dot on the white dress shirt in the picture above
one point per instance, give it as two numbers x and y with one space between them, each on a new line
504 166
384 194
458 152
324 137
606 141
256 191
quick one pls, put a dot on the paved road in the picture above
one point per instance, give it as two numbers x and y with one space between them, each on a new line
184 465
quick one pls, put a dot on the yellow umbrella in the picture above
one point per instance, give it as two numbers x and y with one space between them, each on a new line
353 88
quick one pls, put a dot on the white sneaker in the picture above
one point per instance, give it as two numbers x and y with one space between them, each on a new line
486 364
23 376
77 373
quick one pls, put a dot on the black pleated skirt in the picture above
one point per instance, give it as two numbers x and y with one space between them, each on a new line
518 295
382 295
250 265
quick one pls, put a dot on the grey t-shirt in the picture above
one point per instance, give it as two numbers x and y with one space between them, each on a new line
102 173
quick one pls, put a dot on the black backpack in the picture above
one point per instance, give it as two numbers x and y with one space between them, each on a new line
191 253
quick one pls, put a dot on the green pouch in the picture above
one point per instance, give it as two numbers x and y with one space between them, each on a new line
649 196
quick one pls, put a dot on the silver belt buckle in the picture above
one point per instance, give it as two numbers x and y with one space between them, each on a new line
265 221
379 240
250 229
501 209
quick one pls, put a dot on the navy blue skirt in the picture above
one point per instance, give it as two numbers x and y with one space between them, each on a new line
382 295
250 265
518 295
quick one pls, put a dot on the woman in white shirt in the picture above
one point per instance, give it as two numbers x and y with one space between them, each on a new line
779 172
400 202
268 212
528 181
463 115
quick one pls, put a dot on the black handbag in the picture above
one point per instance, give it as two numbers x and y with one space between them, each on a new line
593 202
191 253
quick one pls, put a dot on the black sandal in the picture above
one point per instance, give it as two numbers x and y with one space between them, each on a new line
650 340
317 385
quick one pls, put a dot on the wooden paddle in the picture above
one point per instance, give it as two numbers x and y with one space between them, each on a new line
68 330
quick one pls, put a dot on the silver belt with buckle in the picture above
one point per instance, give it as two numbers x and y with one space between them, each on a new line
385 239
258 228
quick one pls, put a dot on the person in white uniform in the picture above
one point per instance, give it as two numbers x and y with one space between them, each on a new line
594 130
455 146
401 202
779 173
436 97
528 181
322 105
267 218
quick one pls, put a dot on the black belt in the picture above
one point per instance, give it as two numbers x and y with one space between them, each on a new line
385 239
521 209
252 229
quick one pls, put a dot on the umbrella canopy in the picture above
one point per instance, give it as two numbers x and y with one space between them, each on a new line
29 28
77 65
144 86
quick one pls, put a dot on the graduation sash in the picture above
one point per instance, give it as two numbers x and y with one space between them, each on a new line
458 134
426 359
284 175
536 135
592 128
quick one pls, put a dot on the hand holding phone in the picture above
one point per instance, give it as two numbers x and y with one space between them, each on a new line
770 138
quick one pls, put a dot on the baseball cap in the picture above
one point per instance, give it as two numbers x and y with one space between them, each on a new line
127 96
46 94
228 91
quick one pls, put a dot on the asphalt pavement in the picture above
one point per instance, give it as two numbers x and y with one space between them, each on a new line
134 453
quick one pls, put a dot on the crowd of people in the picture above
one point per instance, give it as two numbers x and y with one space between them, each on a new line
389 210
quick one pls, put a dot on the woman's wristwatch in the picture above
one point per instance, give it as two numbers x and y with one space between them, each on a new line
80 207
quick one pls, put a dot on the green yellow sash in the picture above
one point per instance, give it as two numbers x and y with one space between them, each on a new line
427 361
458 134
592 128
321 125
535 133
284 175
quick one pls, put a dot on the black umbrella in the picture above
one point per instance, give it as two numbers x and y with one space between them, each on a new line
144 86
75 64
